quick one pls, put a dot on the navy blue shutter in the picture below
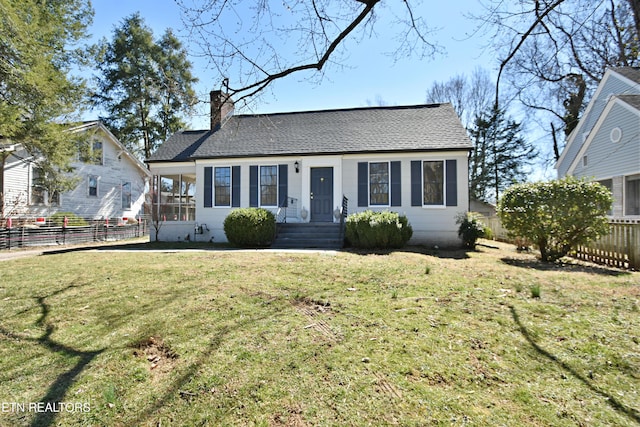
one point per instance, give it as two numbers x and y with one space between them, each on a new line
452 183
416 183
283 184
253 186
208 187
235 186
363 184
396 185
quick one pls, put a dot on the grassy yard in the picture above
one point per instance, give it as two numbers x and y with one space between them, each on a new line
187 338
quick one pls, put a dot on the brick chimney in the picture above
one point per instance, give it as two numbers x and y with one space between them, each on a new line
221 107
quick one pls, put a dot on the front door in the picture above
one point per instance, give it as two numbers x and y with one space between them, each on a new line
322 194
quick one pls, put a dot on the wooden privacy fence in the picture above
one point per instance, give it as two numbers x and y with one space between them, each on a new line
620 248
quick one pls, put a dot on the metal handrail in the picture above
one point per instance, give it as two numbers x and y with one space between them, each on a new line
344 212
282 212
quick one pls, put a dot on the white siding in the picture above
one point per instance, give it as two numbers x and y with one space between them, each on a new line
431 225
117 168
16 183
111 175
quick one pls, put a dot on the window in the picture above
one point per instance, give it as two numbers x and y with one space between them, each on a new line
222 186
93 186
433 183
177 197
268 186
585 161
96 155
92 153
632 195
379 184
38 193
126 195
609 184
42 192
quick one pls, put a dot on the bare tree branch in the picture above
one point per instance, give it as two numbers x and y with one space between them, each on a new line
523 38
256 44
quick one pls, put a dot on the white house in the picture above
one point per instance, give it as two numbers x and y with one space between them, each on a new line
300 165
605 145
112 181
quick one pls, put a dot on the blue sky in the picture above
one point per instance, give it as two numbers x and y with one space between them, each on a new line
369 74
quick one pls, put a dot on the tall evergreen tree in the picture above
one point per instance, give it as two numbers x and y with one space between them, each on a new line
499 157
145 86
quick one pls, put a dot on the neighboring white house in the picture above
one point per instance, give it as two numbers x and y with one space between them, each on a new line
112 182
411 160
605 145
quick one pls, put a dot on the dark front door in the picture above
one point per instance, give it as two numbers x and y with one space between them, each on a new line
322 194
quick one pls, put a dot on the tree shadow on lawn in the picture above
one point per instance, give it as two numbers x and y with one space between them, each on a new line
176 388
58 390
445 253
631 413
139 246
571 267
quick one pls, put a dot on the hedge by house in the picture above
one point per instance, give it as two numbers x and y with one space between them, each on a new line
379 230
250 227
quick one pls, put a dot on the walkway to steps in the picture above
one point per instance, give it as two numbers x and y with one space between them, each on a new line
319 235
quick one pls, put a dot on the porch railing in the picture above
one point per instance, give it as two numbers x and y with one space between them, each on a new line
285 208
344 212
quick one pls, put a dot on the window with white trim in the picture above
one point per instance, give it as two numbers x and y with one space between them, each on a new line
269 185
126 195
379 183
93 186
222 186
433 183
632 195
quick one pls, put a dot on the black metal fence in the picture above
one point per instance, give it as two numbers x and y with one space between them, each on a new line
29 235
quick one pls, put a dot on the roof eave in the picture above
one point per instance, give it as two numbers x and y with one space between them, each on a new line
329 153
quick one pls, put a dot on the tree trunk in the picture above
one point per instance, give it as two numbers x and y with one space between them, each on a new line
635 8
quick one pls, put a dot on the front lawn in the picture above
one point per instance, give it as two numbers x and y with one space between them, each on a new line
304 339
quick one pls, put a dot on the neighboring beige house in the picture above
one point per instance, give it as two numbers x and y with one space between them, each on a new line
112 182
605 146
300 165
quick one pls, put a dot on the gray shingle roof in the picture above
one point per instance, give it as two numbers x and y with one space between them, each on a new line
360 130
632 100
632 73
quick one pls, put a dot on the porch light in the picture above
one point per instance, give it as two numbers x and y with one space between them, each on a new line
297 166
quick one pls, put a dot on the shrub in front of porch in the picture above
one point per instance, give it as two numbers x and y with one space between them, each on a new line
250 227
378 230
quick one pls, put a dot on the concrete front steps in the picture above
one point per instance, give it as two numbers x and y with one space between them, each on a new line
314 235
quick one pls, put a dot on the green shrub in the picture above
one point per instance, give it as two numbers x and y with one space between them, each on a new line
470 230
378 230
72 219
556 215
250 227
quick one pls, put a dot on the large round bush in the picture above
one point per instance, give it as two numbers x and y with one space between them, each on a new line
556 215
379 230
250 227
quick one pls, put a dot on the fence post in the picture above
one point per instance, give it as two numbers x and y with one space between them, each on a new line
9 226
634 246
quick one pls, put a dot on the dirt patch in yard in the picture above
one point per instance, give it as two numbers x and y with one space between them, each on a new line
160 356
